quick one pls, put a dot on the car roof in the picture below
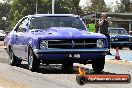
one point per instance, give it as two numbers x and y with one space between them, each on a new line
40 15
116 28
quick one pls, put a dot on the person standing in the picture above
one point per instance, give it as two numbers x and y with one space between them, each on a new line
104 23
91 27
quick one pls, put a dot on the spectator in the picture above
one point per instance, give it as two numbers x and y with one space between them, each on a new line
91 27
104 23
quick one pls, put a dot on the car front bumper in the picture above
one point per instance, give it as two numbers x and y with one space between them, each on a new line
72 55
123 44
70 51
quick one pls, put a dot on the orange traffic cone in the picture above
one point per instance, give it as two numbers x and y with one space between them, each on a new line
117 56
81 71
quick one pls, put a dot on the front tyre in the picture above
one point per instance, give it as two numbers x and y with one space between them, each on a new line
98 65
67 66
15 61
33 62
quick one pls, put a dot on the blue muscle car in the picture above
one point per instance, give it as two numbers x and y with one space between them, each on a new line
55 39
120 38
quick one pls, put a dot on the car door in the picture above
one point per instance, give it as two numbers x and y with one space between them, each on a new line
20 36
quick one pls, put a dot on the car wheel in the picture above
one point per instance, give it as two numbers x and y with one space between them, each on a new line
33 62
130 48
111 46
67 67
120 47
98 65
66 64
15 61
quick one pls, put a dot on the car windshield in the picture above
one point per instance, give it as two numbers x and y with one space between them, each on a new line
56 21
117 31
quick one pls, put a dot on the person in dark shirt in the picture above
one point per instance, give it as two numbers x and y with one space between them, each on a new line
104 23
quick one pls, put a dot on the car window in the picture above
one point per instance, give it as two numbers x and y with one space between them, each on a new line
22 25
117 31
56 21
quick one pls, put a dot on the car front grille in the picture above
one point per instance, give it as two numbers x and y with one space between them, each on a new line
123 39
72 44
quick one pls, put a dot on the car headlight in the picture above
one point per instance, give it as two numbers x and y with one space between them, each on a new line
111 39
43 44
100 43
130 39
116 39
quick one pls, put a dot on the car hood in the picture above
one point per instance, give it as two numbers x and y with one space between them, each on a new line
64 32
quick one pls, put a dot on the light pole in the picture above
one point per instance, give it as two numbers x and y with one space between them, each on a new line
36 6
53 6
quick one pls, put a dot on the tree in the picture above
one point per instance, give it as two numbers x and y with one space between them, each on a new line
124 6
4 12
119 7
75 8
68 6
96 6
20 8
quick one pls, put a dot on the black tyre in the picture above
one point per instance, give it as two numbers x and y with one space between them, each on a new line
112 46
98 65
130 48
67 67
120 47
66 64
33 62
15 61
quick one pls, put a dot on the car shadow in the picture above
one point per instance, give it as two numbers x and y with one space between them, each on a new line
59 69
53 69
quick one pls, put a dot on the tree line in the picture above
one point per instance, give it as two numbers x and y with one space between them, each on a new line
13 10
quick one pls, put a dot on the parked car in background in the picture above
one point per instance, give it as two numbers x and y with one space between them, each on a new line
130 33
2 35
55 39
120 38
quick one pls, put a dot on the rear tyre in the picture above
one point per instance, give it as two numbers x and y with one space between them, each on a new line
120 47
112 46
15 61
98 65
33 62
130 48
